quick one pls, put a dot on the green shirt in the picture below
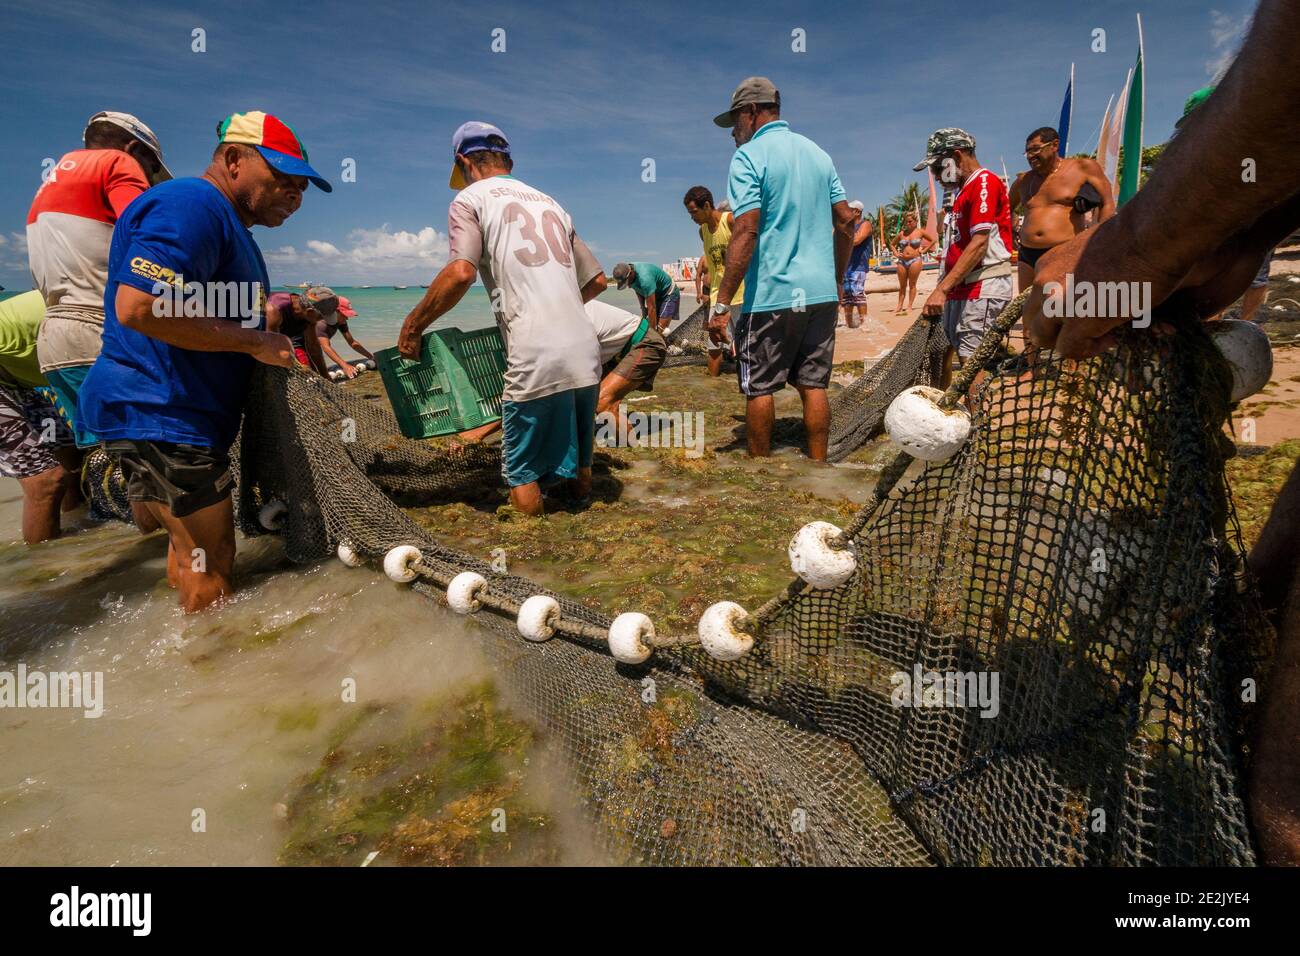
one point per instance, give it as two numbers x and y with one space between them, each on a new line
20 320
649 280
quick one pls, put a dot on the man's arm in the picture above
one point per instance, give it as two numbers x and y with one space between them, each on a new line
970 257
701 273
357 346
1199 223
744 237
1095 176
311 345
135 311
594 287
651 310
448 288
842 217
863 232
328 350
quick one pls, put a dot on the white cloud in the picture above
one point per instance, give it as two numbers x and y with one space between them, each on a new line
1226 34
323 248
370 256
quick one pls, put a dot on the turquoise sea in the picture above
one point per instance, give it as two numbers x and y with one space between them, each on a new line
382 309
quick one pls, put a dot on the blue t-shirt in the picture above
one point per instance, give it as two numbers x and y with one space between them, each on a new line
144 389
793 184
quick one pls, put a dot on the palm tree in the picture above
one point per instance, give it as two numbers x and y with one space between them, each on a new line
910 199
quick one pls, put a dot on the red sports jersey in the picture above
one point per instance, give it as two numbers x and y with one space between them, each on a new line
982 205
71 223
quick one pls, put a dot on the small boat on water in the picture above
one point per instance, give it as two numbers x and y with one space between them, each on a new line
399 287
364 287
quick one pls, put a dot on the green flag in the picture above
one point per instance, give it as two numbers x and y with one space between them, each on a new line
1132 142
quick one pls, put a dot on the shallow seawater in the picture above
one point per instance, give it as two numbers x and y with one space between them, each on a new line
226 738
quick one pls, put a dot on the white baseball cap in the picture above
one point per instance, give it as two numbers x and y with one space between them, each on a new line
137 129
856 204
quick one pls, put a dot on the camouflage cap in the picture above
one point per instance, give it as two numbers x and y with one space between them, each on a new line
944 141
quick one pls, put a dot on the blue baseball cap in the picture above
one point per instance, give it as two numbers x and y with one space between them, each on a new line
472 137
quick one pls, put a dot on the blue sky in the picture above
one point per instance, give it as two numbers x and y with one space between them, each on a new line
585 92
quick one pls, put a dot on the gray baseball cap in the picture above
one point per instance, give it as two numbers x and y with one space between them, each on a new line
944 141
138 130
622 274
752 91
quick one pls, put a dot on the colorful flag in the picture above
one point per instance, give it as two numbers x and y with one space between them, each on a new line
1067 114
1103 143
1111 161
1131 174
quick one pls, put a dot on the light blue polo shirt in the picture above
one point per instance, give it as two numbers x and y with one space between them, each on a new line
793 182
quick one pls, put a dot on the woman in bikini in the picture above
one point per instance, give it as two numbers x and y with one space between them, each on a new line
909 245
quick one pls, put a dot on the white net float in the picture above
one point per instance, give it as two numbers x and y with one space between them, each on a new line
915 421
1248 352
720 631
271 515
348 556
632 638
463 591
400 562
815 559
537 618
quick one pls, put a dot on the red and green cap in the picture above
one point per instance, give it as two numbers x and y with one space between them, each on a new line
278 144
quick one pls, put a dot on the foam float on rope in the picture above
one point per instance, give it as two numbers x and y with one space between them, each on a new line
463 592
632 638
815 558
400 562
271 515
925 431
1248 352
538 617
722 633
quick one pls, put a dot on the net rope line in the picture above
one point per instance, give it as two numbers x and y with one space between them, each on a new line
894 471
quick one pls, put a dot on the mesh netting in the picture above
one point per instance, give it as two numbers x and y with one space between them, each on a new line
1081 547
858 410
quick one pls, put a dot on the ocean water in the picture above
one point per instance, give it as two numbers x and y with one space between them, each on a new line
382 309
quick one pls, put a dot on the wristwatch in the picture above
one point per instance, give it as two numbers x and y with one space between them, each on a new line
721 308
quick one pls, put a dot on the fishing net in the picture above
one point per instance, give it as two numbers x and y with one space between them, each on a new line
858 409
1080 549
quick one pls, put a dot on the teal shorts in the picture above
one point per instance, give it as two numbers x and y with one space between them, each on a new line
548 439
66 385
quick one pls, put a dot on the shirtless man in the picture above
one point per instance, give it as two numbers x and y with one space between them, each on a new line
1056 194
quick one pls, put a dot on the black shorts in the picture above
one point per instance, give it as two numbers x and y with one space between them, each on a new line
185 478
1030 256
785 346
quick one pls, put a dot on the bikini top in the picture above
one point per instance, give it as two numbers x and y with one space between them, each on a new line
914 243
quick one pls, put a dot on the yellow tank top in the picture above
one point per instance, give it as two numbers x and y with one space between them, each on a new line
715 252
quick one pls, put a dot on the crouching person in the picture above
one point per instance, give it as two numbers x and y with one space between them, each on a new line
166 394
631 354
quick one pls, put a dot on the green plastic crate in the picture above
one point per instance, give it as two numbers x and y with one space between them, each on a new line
455 385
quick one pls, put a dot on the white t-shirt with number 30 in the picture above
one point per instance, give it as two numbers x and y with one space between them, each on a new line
532 263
